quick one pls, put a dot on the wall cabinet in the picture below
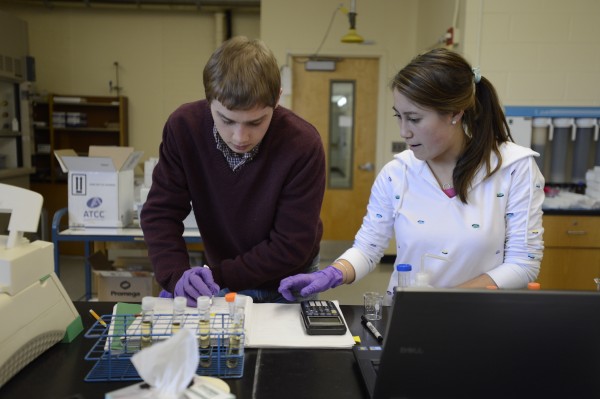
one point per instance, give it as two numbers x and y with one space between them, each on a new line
572 252
61 122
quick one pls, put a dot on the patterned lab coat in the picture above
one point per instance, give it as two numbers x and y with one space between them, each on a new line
499 231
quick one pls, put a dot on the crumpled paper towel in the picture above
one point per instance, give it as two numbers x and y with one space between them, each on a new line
169 366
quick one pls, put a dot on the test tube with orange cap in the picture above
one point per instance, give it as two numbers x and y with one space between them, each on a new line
230 299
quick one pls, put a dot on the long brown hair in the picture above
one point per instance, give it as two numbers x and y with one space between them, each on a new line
443 81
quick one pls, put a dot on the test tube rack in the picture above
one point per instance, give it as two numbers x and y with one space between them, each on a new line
121 338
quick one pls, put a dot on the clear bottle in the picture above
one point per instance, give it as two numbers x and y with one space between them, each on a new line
403 270
422 280
147 320
179 304
203 306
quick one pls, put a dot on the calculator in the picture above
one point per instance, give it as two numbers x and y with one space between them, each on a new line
322 318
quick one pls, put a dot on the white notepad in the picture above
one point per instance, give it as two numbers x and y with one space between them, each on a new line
267 325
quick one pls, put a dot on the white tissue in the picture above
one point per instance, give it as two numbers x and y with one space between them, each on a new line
169 366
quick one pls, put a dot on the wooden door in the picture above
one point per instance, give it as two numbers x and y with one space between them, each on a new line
343 208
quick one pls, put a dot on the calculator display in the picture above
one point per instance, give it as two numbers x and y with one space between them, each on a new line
324 320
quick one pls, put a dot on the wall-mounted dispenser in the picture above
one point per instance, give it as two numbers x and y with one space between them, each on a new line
565 137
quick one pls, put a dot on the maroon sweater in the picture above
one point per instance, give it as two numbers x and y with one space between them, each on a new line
259 224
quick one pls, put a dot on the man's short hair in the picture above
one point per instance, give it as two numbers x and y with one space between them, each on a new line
242 74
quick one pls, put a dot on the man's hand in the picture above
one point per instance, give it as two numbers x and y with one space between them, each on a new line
311 283
198 281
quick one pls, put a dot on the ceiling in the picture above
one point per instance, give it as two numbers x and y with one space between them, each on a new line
146 4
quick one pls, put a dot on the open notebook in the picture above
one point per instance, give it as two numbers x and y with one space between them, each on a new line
487 344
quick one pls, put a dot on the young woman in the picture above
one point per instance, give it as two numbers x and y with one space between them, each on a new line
463 202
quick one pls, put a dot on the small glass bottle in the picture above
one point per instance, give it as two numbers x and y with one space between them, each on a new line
147 319
179 304
403 271
203 306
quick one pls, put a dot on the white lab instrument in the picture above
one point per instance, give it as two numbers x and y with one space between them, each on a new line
35 310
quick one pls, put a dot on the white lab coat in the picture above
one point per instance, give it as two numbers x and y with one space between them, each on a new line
499 231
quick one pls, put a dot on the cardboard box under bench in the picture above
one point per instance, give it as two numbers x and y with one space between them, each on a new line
113 282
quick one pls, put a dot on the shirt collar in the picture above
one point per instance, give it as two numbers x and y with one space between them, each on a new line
235 160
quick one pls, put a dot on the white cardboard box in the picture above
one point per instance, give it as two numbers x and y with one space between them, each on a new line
101 186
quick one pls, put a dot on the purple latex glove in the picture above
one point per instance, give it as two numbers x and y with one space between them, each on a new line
198 281
165 294
311 283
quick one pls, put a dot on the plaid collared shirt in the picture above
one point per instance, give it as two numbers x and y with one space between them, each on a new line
235 160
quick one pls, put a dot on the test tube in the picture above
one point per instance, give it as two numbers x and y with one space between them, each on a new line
236 332
203 306
236 329
179 304
230 299
147 319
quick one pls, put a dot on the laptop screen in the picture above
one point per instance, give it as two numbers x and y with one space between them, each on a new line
491 344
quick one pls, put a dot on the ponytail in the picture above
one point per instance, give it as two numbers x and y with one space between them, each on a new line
486 127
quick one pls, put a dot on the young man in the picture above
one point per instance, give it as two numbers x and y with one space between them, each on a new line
254 173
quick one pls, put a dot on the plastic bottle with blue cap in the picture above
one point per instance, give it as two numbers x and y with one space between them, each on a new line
403 270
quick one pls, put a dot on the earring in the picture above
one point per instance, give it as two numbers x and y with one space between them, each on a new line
453 122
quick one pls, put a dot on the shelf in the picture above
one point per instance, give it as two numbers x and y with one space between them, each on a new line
90 104
105 123
9 134
86 129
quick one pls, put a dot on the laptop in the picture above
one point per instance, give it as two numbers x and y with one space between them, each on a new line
450 343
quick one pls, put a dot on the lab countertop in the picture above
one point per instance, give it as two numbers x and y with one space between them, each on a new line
268 373
572 212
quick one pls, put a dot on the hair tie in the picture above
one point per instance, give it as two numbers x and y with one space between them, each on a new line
477 74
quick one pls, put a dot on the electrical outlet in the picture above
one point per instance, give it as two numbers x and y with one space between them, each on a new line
452 36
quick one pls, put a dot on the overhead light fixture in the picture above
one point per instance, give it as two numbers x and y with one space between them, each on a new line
352 36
